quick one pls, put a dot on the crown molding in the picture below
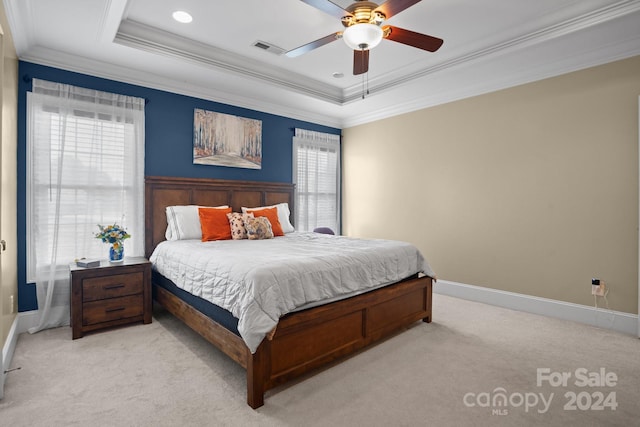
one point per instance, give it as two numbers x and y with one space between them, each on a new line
20 15
150 39
83 65
570 64
112 15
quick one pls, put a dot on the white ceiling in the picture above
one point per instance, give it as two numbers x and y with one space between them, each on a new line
488 45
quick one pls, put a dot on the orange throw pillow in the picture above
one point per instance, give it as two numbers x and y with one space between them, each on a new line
272 215
214 224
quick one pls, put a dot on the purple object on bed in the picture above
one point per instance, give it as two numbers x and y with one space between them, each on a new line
323 230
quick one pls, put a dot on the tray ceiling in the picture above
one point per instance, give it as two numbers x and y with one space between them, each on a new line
488 45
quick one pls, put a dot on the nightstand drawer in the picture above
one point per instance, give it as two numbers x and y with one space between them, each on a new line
117 285
112 309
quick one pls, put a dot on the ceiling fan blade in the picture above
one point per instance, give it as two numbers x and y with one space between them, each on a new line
313 45
411 38
360 62
393 7
327 7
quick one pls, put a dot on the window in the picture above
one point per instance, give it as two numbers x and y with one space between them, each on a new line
316 173
85 166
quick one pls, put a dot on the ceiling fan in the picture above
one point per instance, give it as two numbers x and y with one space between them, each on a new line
363 31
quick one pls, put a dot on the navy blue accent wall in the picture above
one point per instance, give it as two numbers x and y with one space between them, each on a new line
168 146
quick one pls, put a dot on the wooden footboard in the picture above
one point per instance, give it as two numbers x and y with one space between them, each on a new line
312 338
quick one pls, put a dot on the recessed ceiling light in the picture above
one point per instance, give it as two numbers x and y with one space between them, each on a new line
182 16
338 75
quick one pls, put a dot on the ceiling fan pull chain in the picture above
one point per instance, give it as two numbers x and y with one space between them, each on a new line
367 82
365 76
362 64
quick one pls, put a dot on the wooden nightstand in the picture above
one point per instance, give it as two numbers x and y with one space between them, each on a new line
110 295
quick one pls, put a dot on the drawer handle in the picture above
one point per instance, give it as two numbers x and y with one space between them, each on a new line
109 287
111 310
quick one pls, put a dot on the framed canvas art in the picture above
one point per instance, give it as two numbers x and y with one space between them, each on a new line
225 140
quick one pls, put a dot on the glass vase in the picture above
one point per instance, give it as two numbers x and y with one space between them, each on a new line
116 252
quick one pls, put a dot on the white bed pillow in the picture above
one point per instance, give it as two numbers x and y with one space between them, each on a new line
283 215
183 222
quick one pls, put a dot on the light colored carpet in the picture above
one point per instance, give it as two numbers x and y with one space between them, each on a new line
163 374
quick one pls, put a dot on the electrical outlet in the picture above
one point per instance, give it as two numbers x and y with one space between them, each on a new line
599 290
12 305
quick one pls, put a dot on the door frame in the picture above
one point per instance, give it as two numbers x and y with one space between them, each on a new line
3 342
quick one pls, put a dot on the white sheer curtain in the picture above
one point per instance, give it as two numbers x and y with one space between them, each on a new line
85 166
316 173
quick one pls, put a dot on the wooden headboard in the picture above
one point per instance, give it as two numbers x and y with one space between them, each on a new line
162 191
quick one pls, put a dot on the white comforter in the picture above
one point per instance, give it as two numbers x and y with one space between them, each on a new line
259 281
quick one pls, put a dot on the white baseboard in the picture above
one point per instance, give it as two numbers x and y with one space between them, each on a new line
601 317
21 324
26 320
7 353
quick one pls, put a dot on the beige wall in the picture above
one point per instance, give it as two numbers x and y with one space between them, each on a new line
532 189
8 156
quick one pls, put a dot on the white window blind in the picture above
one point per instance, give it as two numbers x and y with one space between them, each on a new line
85 166
316 173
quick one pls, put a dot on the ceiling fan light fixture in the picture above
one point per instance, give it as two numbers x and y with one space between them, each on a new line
362 36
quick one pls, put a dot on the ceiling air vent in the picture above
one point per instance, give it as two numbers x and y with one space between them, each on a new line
269 47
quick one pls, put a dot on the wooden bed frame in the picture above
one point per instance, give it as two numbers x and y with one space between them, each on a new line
303 340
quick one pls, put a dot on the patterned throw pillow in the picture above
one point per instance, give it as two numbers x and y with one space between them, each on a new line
236 222
258 228
272 215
